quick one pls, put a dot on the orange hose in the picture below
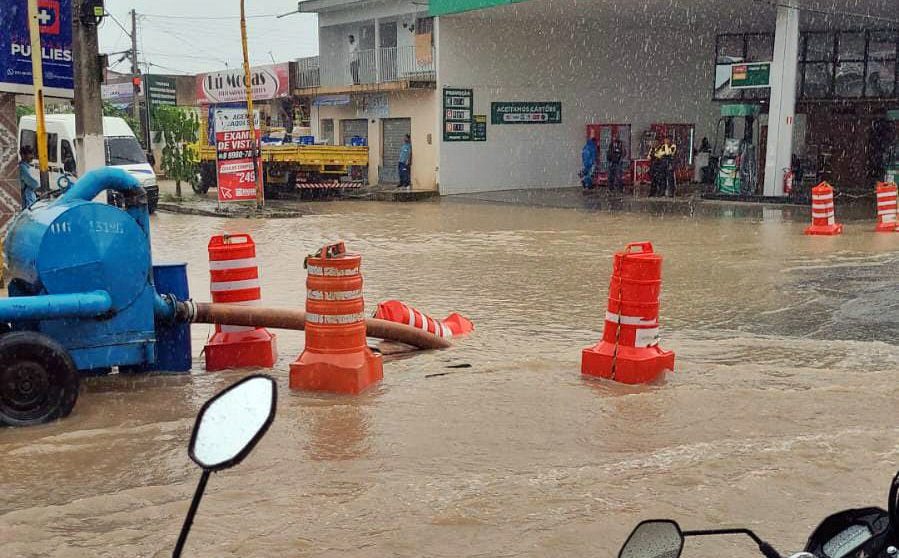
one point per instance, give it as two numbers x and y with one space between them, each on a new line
280 318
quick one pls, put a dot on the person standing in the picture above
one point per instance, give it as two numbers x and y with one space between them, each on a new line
353 57
405 163
666 153
655 170
615 158
588 159
29 184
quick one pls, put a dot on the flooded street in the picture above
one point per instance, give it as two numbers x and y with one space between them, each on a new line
781 411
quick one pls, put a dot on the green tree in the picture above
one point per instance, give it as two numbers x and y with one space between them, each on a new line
177 129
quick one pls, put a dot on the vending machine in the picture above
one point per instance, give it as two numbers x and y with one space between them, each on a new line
604 134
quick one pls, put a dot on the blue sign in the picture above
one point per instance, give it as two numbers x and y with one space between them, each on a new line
55 18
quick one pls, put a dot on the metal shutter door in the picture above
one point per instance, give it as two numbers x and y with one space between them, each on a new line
395 130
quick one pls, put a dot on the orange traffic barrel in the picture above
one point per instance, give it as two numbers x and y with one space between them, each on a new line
629 350
395 311
823 214
886 207
234 279
336 358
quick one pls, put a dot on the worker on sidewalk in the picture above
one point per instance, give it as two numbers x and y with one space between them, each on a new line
665 153
405 163
29 184
588 159
615 158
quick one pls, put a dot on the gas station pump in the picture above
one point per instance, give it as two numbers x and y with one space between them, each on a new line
738 160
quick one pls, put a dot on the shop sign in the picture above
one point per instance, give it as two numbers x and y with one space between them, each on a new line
161 91
55 17
234 146
526 112
752 75
331 101
479 128
373 106
457 106
268 82
117 94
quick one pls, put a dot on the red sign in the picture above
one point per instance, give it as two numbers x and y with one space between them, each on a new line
642 171
234 147
48 16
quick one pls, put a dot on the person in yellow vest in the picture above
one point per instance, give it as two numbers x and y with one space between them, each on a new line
665 155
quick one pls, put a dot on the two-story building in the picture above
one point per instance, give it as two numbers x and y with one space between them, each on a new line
498 94
375 79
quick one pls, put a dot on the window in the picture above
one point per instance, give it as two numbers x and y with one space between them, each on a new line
848 64
68 156
52 147
328 131
29 138
880 71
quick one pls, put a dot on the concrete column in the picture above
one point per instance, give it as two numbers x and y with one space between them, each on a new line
10 190
783 99
90 152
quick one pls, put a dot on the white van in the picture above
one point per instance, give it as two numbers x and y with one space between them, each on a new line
122 149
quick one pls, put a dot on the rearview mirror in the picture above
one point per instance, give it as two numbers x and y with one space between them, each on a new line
657 538
231 423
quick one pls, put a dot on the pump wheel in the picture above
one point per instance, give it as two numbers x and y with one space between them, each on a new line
38 379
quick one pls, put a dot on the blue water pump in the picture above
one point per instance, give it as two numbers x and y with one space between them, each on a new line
81 297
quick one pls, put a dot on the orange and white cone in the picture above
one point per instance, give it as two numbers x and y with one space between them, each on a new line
451 326
886 207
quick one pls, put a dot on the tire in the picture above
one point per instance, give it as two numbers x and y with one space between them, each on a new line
38 379
152 199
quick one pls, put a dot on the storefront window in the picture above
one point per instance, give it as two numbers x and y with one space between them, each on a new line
759 48
730 49
851 46
880 81
818 47
850 79
882 45
818 80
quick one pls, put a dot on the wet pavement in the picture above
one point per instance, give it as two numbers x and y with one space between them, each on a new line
781 410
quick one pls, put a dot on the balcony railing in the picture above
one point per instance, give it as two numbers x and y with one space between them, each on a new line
378 66
308 72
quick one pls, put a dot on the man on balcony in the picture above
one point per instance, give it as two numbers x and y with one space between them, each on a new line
405 164
353 57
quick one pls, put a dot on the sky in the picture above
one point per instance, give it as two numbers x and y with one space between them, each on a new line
195 36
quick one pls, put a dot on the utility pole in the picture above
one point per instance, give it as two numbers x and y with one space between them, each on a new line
88 74
38 80
260 194
135 73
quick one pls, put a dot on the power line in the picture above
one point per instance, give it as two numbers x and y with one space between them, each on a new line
159 16
170 69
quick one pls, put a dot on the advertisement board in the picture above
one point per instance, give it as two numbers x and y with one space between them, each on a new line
234 146
457 107
55 18
750 75
526 112
227 86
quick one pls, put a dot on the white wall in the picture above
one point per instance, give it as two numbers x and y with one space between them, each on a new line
600 74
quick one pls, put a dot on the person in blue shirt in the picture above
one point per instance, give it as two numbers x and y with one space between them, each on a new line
588 158
29 183
405 164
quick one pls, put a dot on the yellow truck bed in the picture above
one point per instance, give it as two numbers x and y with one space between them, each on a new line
322 158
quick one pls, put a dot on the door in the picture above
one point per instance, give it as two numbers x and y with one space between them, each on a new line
394 132
357 127
387 50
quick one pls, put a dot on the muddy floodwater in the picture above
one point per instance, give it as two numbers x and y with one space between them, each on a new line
782 410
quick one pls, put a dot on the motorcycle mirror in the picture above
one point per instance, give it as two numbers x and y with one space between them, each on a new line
227 428
232 422
656 538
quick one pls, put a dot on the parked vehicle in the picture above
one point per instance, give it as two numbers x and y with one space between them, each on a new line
121 146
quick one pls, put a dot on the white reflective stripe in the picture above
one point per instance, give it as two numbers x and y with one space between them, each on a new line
821 205
817 215
630 320
335 319
444 331
889 218
334 295
647 337
890 203
218 265
331 271
221 286
235 329
886 195
825 197
411 313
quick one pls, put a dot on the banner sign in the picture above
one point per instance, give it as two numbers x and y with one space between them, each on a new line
331 100
234 146
374 105
118 94
161 91
750 75
55 18
479 128
268 82
457 107
526 112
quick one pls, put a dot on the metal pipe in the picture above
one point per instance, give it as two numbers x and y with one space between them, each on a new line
95 181
47 307
278 318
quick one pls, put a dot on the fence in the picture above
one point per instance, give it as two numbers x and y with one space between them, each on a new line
375 66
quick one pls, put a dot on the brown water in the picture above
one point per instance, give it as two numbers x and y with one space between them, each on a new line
781 411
